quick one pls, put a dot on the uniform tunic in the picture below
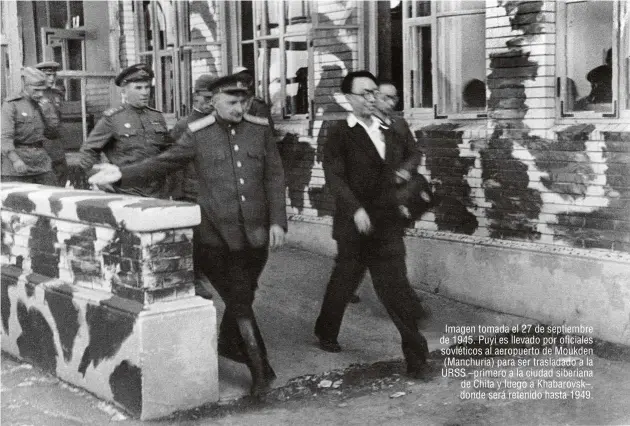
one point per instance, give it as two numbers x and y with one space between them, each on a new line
23 129
188 186
241 181
128 135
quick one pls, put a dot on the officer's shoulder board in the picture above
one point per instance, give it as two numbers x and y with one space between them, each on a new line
256 120
13 98
112 111
153 109
203 122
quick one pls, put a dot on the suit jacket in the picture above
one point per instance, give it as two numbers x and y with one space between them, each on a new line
241 180
358 177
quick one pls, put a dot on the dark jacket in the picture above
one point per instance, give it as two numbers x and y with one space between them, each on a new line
241 181
128 135
358 177
23 129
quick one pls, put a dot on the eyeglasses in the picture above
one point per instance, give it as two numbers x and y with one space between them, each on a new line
367 95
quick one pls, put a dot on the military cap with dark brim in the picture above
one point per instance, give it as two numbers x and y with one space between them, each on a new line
33 77
231 84
48 66
137 72
203 83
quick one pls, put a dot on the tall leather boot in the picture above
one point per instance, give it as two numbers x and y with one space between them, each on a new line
269 373
260 382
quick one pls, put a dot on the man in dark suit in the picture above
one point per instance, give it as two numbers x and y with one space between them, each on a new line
363 164
243 210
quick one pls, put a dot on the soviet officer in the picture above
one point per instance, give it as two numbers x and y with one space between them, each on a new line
129 133
242 200
257 106
24 158
50 104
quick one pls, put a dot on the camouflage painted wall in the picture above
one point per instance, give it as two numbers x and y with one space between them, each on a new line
85 274
521 174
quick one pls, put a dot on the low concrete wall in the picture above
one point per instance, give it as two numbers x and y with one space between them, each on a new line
98 289
550 284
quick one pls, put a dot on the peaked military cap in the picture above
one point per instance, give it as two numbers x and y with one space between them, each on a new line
33 77
48 66
202 84
137 72
231 83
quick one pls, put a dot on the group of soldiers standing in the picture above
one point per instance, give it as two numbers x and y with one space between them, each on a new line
224 157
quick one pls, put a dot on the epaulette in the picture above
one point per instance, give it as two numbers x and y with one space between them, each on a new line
13 98
197 125
153 109
256 120
112 111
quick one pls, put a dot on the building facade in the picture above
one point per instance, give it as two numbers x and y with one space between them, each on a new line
522 108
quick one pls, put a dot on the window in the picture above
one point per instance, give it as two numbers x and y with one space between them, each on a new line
181 40
593 81
157 26
275 45
445 64
201 50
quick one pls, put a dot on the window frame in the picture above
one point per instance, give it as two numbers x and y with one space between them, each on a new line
410 25
620 40
175 49
282 36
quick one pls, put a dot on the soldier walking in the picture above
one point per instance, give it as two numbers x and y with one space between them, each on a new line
130 133
243 210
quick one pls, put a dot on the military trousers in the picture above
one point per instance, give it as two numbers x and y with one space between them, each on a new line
234 275
385 259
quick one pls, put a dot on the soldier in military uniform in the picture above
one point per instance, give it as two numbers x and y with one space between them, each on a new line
24 158
130 133
257 107
50 104
186 179
242 200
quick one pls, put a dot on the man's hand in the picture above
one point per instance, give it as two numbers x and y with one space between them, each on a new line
362 221
402 175
105 174
19 166
276 237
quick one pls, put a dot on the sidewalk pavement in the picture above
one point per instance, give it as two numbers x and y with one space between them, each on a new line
287 304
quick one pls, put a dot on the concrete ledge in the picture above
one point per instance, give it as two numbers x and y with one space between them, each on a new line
98 289
114 210
551 284
150 361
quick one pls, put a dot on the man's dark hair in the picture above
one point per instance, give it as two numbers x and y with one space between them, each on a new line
346 83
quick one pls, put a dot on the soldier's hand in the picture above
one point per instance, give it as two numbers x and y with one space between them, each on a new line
402 175
19 166
362 221
276 237
105 174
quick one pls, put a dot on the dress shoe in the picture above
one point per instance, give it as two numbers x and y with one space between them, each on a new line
417 369
328 345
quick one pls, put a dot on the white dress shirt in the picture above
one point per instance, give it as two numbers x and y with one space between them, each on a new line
373 131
